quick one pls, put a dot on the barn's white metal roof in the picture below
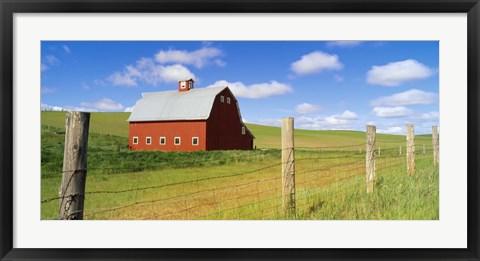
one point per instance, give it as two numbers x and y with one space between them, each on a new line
194 104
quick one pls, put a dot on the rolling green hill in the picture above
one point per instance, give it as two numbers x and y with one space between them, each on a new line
115 123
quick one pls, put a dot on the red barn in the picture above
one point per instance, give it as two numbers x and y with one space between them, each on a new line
188 119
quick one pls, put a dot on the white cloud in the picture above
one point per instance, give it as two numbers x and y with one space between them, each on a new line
306 108
155 71
409 97
198 58
255 91
76 108
391 130
316 62
104 104
43 67
347 115
333 122
422 122
304 120
426 117
424 127
392 112
336 123
46 107
129 109
122 79
66 48
343 43
397 73
86 87
174 72
271 122
147 71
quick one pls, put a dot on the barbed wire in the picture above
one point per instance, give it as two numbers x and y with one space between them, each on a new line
178 198
241 197
332 147
182 197
168 185
170 165
185 182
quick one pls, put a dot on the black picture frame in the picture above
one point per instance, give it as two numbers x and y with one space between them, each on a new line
10 7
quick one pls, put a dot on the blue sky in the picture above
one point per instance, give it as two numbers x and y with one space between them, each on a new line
324 85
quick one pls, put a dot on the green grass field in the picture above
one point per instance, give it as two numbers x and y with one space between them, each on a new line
330 180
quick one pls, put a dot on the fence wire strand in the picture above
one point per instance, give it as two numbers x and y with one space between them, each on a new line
320 170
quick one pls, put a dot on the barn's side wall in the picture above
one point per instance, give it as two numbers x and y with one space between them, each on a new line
224 126
169 129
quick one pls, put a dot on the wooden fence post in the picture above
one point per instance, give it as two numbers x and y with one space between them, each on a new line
72 190
288 168
370 157
435 143
410 150
423 148
400 151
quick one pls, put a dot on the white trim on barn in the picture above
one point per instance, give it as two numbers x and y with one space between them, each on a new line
175 141
193 143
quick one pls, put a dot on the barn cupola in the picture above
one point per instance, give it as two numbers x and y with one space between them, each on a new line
185 85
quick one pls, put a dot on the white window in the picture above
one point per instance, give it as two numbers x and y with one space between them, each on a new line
182 85
176 141
135 140
190 85
222 99
163 141
243 130
194 141
228 100
148 140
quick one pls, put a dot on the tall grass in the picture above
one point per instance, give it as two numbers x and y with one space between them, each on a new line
396 197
